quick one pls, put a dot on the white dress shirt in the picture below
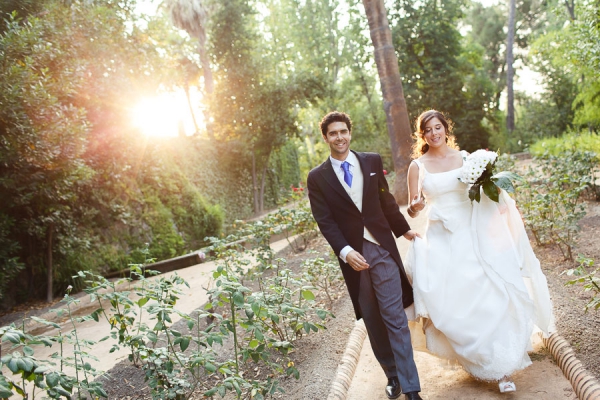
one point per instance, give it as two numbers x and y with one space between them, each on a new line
355 192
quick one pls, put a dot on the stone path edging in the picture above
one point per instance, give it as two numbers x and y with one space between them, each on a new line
345 371
585 385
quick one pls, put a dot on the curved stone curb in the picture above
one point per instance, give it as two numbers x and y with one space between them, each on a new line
345 371
586 386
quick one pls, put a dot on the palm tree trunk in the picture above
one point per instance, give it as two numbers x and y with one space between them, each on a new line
510 72
570 4
209 84
189 101
394 104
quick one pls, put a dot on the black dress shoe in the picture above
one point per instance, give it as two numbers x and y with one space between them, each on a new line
412 396
393 389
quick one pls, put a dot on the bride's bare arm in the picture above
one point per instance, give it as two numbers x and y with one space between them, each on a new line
415 202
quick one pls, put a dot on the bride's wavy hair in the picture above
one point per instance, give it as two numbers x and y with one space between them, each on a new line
420 146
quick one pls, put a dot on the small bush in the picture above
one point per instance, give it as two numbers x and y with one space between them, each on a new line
574 141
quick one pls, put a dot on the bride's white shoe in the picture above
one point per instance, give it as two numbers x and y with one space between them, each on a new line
507 386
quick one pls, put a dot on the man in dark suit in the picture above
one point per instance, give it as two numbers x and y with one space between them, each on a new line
359 217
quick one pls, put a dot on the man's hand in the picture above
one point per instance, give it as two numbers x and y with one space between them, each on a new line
356 261
411 235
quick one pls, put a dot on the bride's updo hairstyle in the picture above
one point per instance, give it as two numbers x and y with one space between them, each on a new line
420 147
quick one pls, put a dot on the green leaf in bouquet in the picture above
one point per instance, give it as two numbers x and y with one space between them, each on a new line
491 190
504 180
475 193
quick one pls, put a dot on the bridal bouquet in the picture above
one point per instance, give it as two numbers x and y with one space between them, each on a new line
479 171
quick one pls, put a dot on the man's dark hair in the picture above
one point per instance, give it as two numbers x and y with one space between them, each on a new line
335 116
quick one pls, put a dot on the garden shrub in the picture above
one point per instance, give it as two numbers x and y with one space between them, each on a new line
572 140
284 171
551 197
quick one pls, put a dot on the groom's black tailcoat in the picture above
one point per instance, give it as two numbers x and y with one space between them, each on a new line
342 224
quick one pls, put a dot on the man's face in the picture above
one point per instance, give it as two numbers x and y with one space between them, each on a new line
338 138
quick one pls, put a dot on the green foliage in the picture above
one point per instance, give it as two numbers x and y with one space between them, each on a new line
262 325
539 119
325 275
252 106
572 140
550 197
552 113
44 138
283 173
586 144
21 8
296 222
574 50
9 264
487 32
438 72
43 374
589 280
73 170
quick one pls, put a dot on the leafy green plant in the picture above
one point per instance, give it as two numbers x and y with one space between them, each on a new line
325 275
585 143
551 197
589 280
265 322
43 374
141 310
295 222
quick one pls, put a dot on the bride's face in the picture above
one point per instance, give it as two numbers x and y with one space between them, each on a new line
434 133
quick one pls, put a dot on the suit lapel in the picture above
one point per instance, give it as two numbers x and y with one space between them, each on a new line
333 181
365 167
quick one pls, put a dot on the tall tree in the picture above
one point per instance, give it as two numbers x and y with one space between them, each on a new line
487 30
75 173
510 94
438 71
306 38
254 100
191 16
44 138
394 104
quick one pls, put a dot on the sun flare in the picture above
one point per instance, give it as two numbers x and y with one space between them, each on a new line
166 115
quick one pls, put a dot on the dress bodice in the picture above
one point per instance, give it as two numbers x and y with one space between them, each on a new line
447 197
444 187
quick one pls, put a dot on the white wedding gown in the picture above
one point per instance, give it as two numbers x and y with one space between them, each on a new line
477 283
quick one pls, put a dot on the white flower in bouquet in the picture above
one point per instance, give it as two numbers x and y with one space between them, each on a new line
475 164
478 171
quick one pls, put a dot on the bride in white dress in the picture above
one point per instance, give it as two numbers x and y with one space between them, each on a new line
477 283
